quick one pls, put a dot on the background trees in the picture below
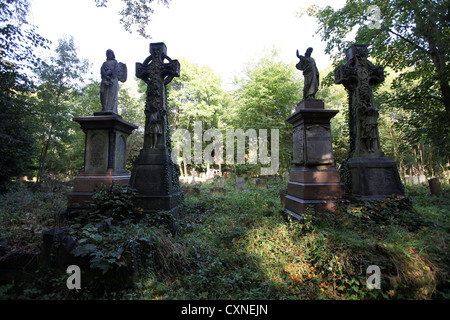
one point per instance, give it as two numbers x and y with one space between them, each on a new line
265 95
197 95
135 13
54 104
18 42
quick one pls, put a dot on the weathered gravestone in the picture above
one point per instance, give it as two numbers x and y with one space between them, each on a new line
240 184
214 191
106 132
314 180
155 177
435 186
221 182
368 173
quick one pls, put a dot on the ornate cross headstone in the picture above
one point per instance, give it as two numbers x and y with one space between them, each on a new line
359 75
369 175
156 74
155 176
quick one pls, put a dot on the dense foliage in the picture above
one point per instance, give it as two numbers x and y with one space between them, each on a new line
238 246
18 42
135 13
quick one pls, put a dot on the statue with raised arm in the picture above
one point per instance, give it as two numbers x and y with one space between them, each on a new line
111 72
310 73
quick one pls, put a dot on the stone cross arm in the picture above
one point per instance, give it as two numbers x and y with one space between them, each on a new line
171 70
357 68
154 66
167 73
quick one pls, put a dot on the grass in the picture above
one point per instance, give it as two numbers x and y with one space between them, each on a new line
240 246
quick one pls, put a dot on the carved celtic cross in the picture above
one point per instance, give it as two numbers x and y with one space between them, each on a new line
157 74
358 75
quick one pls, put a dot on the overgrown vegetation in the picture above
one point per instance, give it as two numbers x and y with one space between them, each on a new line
240 246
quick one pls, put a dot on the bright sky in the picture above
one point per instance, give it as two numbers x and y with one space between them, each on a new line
221 34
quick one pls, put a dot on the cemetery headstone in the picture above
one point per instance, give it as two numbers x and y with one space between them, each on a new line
314 180
155 177
217 191
240 184
106 132
368 173
221 182
435 186
260 182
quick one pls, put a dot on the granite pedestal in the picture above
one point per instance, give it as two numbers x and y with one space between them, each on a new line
104 157
314 181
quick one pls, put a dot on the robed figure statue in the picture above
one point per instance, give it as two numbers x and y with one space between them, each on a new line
111 72
310 73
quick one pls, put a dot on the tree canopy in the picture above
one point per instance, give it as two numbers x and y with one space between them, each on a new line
135 13
18 41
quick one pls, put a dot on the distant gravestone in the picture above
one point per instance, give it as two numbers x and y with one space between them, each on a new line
217 191
435 186
240 184
260 182
191 190
408 180
220 182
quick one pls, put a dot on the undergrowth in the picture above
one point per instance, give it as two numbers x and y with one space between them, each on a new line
239 245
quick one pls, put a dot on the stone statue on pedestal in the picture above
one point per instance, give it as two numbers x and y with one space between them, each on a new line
310 72
111 72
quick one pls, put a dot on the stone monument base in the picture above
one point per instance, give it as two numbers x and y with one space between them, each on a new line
372 178
319 188
314 181
85 185
105 157
155 180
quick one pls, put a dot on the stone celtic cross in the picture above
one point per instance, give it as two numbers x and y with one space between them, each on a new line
156 73
155 177
358 75
367 173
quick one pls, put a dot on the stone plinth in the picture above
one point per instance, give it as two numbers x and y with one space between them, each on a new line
371 178
104 157
314 181
155 178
